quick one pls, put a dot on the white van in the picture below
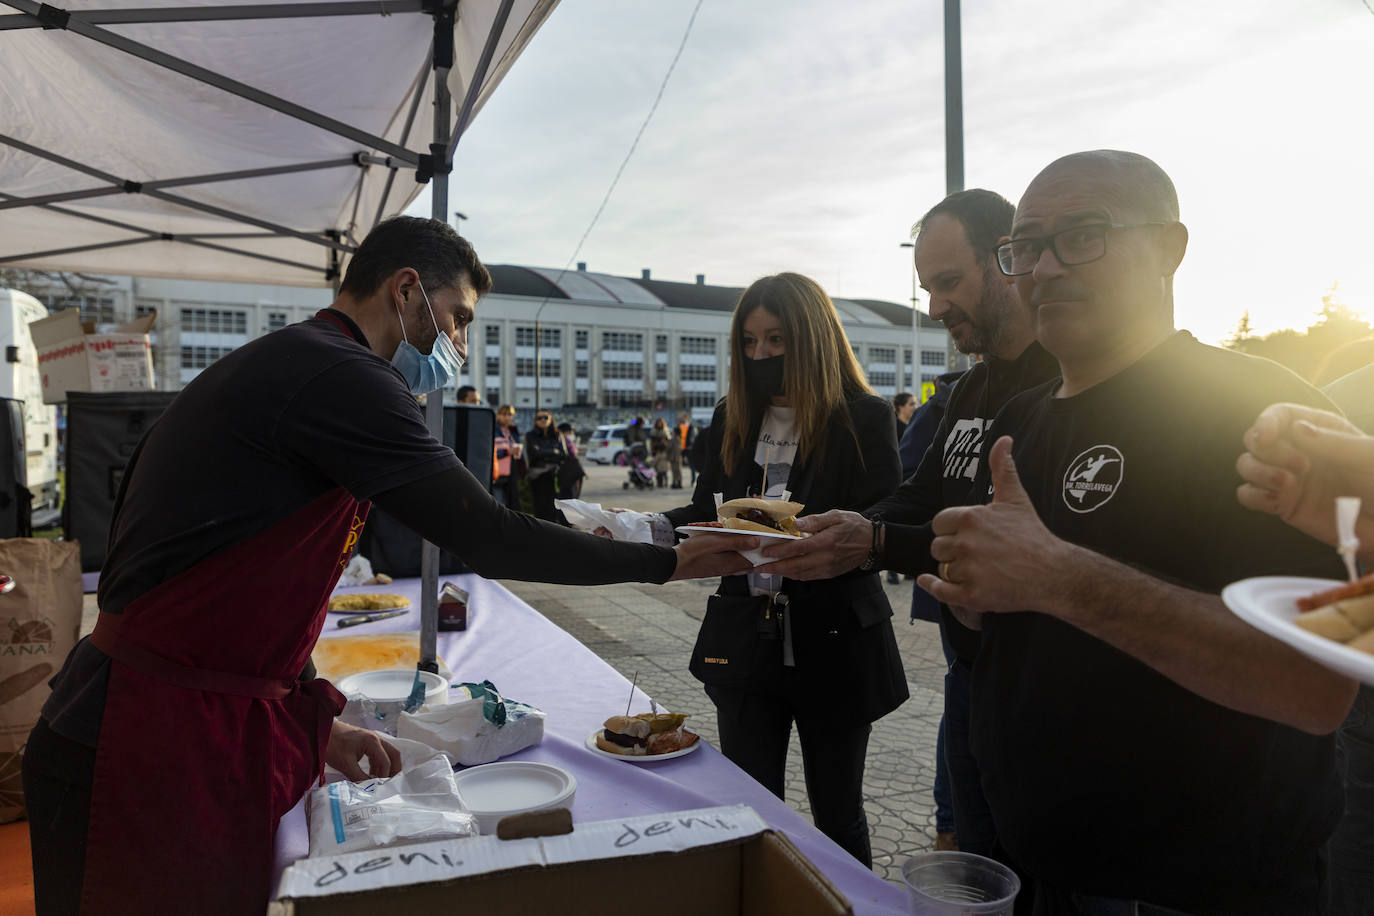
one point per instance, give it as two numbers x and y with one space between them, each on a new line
19 379
607 445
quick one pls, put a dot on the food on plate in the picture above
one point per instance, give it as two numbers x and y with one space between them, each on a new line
366 601
336 657
666 742
624 735
770 515
663 721
1348 618
705 525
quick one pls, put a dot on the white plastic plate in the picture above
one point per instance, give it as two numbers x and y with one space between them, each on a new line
496 790
644 758
753 556
1269 603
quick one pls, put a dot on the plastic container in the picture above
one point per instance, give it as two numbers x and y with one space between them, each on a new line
376 699
959 884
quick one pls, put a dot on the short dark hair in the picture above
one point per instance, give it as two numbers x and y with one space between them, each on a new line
985 215
464 391
437 253
902 398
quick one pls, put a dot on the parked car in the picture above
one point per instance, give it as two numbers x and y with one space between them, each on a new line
607 445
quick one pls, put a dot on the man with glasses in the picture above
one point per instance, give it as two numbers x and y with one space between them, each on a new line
1142 749
955 262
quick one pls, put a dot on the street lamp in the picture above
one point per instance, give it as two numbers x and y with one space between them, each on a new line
915 323
458 221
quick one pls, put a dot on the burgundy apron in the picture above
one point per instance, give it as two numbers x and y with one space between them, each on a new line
207 737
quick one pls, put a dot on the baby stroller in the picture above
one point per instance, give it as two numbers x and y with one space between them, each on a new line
641 475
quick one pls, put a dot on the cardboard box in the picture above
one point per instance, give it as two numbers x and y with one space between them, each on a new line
71 357
724 861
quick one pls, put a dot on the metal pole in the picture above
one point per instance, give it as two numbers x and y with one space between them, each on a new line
954 101
537 387
434 404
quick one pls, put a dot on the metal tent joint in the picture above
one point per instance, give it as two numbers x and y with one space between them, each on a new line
133 187
52 17
435 162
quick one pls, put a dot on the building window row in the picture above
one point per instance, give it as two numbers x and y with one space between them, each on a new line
705 345
200 357
548 337
882 379
494 334
548 368
622 370
214 321
620 340
882 354
693 373
932 357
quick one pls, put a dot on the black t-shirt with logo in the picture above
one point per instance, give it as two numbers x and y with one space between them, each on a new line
1105 777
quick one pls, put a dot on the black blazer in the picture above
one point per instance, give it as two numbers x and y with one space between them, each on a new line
841 627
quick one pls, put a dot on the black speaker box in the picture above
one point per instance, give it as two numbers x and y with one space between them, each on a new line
16 504
102 432
394 549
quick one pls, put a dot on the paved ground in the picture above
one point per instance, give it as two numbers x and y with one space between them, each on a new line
650 629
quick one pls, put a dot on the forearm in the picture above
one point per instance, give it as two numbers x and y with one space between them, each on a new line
1192 639
452 510
907 548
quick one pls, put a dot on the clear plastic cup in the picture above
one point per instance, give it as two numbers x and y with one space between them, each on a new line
959 884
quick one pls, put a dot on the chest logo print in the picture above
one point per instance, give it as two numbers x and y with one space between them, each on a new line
1093 478
963 447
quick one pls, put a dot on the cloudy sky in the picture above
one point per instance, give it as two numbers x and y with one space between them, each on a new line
807 135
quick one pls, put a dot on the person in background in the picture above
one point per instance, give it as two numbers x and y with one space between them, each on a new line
686 435
798 404
660 444
570 473
468 395
675 454
545 454
1298 460
696 453
904 404
505 484
956 263
636 431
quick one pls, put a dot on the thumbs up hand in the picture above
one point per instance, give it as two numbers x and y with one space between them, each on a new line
999 556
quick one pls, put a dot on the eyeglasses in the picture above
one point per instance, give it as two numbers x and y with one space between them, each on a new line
1072 247
542 418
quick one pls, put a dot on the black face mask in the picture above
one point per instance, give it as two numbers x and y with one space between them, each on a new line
764 376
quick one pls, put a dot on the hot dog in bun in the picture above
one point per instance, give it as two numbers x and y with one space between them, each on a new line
771 515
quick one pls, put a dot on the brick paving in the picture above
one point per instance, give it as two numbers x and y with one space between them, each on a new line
650 629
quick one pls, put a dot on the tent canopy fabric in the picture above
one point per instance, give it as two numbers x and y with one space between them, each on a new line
230 140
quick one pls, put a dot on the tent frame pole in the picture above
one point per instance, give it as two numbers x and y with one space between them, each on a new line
134 15
219 81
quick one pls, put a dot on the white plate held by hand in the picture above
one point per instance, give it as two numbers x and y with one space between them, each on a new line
1270 604
753 556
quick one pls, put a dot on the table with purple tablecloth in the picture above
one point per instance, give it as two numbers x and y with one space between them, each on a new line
532 660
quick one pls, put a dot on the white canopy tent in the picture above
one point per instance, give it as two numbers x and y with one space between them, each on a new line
235 140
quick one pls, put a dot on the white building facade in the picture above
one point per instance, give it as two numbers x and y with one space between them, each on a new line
574 339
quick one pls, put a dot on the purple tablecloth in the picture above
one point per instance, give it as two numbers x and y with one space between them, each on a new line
532 660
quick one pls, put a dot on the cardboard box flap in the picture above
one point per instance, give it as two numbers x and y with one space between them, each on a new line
139 325
450 859
54 329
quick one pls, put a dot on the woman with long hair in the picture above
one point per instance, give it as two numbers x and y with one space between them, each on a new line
799 423
544 456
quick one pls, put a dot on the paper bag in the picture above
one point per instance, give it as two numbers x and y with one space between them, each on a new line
39 620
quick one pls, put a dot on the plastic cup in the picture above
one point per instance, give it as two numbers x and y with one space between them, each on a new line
959 884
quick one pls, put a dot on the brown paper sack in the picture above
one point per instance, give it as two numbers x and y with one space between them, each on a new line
39 620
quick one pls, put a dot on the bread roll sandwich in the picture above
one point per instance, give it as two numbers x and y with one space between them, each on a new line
624 735
769 515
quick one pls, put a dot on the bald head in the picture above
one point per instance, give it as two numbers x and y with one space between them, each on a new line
1140 184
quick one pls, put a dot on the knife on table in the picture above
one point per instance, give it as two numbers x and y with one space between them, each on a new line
368 618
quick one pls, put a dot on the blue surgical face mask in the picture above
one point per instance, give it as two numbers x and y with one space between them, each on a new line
426 373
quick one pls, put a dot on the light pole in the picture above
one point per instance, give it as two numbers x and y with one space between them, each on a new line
915 324
458 221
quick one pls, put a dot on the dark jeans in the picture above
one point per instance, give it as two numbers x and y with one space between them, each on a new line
755 728
972 817
942 792
543 488
57 792
506 491
1350 852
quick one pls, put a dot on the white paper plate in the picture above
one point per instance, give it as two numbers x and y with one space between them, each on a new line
380 610
393 685
754 556
645 758
1269 603
496 790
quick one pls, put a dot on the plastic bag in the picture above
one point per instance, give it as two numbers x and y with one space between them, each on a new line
418 804
480 729
625 525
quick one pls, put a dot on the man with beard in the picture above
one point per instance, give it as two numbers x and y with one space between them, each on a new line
957 266
1143 750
